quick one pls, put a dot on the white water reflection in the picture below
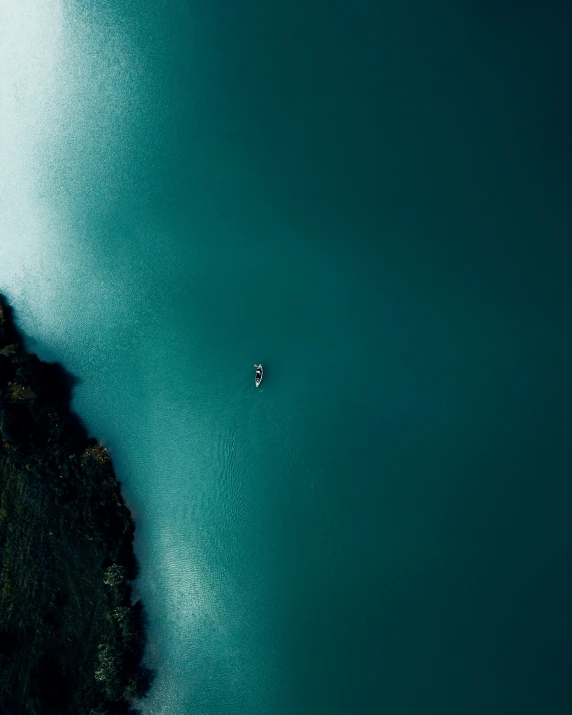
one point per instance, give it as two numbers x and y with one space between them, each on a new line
31 52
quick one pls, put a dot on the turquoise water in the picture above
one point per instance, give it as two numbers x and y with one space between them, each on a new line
374 202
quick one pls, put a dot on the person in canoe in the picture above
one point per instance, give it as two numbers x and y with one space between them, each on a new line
259 374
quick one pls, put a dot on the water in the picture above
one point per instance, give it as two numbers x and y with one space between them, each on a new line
374 202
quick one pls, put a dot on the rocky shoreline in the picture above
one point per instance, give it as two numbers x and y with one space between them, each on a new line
71 637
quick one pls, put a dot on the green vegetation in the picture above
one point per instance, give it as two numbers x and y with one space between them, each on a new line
71 640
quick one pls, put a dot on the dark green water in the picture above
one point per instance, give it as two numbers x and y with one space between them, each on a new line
374 201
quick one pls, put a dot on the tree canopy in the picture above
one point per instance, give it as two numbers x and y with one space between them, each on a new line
71 638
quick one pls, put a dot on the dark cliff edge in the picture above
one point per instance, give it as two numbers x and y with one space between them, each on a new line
71 637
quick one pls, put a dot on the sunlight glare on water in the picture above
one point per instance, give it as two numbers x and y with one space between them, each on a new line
31 52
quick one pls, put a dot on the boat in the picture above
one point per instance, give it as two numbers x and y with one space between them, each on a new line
259 375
